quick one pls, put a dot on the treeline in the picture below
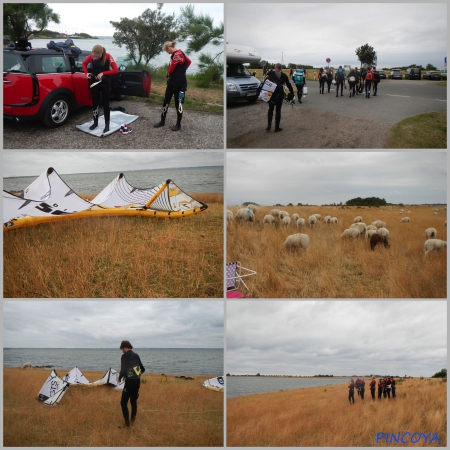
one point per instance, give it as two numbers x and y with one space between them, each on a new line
368 201
324 375
441 374
57 35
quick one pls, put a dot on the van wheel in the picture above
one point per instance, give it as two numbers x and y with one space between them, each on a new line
57 112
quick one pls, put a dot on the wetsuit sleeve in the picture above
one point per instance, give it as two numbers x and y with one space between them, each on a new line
85 63
178 58
112 63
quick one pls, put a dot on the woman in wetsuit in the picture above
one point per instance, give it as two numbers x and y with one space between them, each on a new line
176 82
103 66
351 392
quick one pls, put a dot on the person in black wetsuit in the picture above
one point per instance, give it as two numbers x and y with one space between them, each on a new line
103 66
130 368
372 387
279 78
376 80
176 82
351 392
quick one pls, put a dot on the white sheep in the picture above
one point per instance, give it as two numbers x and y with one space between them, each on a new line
275 212
245 214
295 217
286 221
357 219
404 220
409 212
434 244
435 213
301 223
360 226
318 216
312 221
371 227
327 219
283 214
401 212
298 240
252 208
369 233
430 233
268 219
334 220
384 232
27 365
350 233
229 216
379 224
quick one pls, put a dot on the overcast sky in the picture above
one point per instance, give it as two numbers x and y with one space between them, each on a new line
309 33
101 324
336 337
94 18
317 178
17 164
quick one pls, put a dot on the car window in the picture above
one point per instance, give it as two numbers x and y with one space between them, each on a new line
78 63
52 64
13 63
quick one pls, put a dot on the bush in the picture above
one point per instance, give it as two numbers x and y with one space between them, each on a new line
213 74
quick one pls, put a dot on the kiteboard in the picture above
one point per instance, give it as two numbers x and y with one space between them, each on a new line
215 384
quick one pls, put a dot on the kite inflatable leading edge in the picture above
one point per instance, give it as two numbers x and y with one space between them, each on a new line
50 199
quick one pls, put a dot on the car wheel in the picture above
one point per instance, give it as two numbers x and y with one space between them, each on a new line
57 112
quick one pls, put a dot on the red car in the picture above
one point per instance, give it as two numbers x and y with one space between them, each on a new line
432 76
48 85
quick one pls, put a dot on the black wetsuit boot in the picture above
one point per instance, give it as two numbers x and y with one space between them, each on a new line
95 124
178 124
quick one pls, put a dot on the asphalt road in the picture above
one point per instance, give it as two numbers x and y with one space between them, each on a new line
199 130
324 121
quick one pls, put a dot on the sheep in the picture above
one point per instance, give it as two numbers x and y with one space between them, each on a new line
404 220
378 239
434 244
384 232
301 223
357 219
318 216
229 216
360 226
430 233
334 220
298 240
312 221
351 233
283 214
295 217
401 212
369 233
252 208
435 213
27 365
286 221
275 212
327 219
371 227
409 212
245 214
268 219
379 224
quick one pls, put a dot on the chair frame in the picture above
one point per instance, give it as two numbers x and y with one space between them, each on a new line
241 272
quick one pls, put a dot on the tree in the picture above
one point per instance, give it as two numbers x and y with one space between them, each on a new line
441 374
144 36
366 54
430 67
25 19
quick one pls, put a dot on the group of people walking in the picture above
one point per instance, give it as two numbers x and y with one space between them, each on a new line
386 386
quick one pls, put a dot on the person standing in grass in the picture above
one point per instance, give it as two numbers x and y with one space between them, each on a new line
351 392
388 387
130 369
393 387
362 387
380 388
372 387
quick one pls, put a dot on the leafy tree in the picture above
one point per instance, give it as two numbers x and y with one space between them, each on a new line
366 54
25 19
441 374
430 67
144 36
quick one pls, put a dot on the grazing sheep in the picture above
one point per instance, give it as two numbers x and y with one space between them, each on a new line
301 223
445 223
268 219
327 219
383 232
286 221
360 226
252 208
334 220
318 216
357 219
229 216
275 212
245 214
401 212
430 233
409 212
434 244
284 214
379 224
404 220
312 221
295 217
378 239
435 213
297 240
350 233
371 227
369 233
27 365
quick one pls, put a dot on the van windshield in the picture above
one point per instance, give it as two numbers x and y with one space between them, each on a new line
237 70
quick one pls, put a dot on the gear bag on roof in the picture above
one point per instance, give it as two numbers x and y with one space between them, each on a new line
66 47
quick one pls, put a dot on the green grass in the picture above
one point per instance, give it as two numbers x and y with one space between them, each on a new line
422 131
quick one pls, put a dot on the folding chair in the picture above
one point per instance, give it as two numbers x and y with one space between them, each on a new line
235 274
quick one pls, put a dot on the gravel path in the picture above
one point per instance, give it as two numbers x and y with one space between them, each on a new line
200 130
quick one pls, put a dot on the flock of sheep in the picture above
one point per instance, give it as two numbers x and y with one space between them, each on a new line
376 232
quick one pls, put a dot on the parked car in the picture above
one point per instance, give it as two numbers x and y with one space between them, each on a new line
381 73
432 75
395 74
444 74
413 73
47 85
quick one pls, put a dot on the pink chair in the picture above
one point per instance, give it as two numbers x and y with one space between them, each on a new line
235 273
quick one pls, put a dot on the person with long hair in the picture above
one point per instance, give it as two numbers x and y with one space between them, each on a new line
103 67
176 83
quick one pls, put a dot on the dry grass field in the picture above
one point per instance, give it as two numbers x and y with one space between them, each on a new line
323 417
118 257
341 268
172 414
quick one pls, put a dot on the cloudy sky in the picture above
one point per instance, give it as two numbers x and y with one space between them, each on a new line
317 178
101 324
336 337
309 33
17 164
94 18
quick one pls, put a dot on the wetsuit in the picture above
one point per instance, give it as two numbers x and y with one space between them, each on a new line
351 392
376 80
329 79
362 384
380 389
372 388
130 368
299 75
388 389
103 88
393 387
340 79
352 84
368 82
322 81
176 83
279 100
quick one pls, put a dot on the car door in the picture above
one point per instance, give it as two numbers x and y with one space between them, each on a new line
132 82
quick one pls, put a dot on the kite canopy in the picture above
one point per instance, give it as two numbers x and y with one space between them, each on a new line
53 390
216 384
49 199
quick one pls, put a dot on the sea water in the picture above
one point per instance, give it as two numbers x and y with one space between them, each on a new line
237 386
190 179
176 361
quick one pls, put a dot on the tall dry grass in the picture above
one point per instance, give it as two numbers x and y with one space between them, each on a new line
322 416
113 257
176 413
338 268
